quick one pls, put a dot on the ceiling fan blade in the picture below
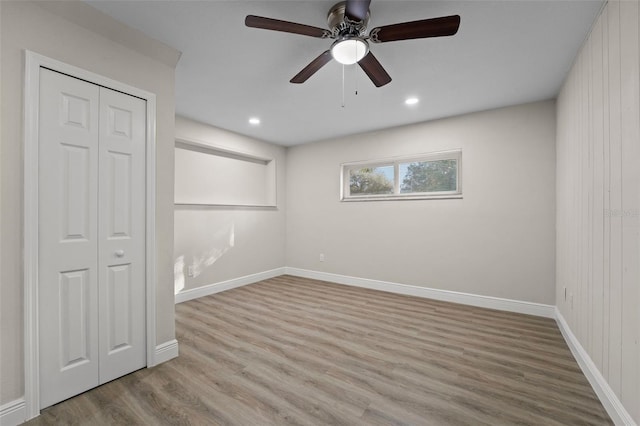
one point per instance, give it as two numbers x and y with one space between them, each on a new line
312 68
435 27
374 70
285 26
357 10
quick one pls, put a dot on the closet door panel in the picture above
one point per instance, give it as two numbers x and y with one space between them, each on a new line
92 288
122 234
68 236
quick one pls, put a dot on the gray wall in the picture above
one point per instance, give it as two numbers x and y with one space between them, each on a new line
496 241
26 25
598 190
224 243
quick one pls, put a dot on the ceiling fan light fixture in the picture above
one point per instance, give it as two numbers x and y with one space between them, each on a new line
348 51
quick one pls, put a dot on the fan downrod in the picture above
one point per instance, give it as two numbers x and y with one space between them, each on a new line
341 26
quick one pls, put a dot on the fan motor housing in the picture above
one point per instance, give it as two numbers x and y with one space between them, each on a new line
341 25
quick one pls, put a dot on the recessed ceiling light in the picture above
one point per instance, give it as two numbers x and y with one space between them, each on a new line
411 101
254 121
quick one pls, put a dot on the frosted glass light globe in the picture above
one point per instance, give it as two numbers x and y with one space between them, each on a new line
349 51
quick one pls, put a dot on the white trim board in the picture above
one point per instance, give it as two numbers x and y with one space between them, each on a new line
537 309
206 290
529 308
606 395
33 63
13 413
166 351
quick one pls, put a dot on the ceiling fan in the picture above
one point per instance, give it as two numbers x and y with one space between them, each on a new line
347 23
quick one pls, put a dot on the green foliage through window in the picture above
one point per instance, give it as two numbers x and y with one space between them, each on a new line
433 175
371 181
428 176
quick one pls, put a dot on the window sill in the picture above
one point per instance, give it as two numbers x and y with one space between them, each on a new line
402 198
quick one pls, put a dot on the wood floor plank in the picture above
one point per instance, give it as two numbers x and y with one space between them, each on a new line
295 351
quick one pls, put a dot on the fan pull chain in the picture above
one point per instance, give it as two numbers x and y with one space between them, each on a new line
355 68
355 71
343 86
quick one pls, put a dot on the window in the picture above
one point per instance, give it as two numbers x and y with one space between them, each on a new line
435 175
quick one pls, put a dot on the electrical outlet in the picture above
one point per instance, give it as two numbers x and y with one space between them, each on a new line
190 271
321 257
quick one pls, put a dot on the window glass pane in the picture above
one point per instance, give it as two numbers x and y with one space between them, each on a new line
428 176
371 180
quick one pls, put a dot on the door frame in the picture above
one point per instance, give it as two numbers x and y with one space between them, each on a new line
33 63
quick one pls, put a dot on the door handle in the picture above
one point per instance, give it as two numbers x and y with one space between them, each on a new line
119 253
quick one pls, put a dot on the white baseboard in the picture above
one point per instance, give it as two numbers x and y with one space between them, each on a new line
518 306
13 413
206 290
166 351
607 396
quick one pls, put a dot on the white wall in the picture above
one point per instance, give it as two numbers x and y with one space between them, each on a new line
496 241
598 199
224 243
26 25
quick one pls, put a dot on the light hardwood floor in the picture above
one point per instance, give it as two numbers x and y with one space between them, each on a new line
297 351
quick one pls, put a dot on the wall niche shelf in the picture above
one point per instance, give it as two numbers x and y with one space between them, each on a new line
209 175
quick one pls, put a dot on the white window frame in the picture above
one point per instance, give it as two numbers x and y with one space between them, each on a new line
345 169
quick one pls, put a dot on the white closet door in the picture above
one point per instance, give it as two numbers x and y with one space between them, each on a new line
68 237
122 234
91 236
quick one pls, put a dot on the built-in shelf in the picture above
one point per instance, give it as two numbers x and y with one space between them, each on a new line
208 175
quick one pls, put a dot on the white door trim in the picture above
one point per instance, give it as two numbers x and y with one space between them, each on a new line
33 63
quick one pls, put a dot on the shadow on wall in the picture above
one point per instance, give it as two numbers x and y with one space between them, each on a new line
193 264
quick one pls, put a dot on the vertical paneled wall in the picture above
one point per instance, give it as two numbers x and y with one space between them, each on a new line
598 200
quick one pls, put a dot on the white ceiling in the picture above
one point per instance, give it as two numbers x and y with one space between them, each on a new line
505 53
